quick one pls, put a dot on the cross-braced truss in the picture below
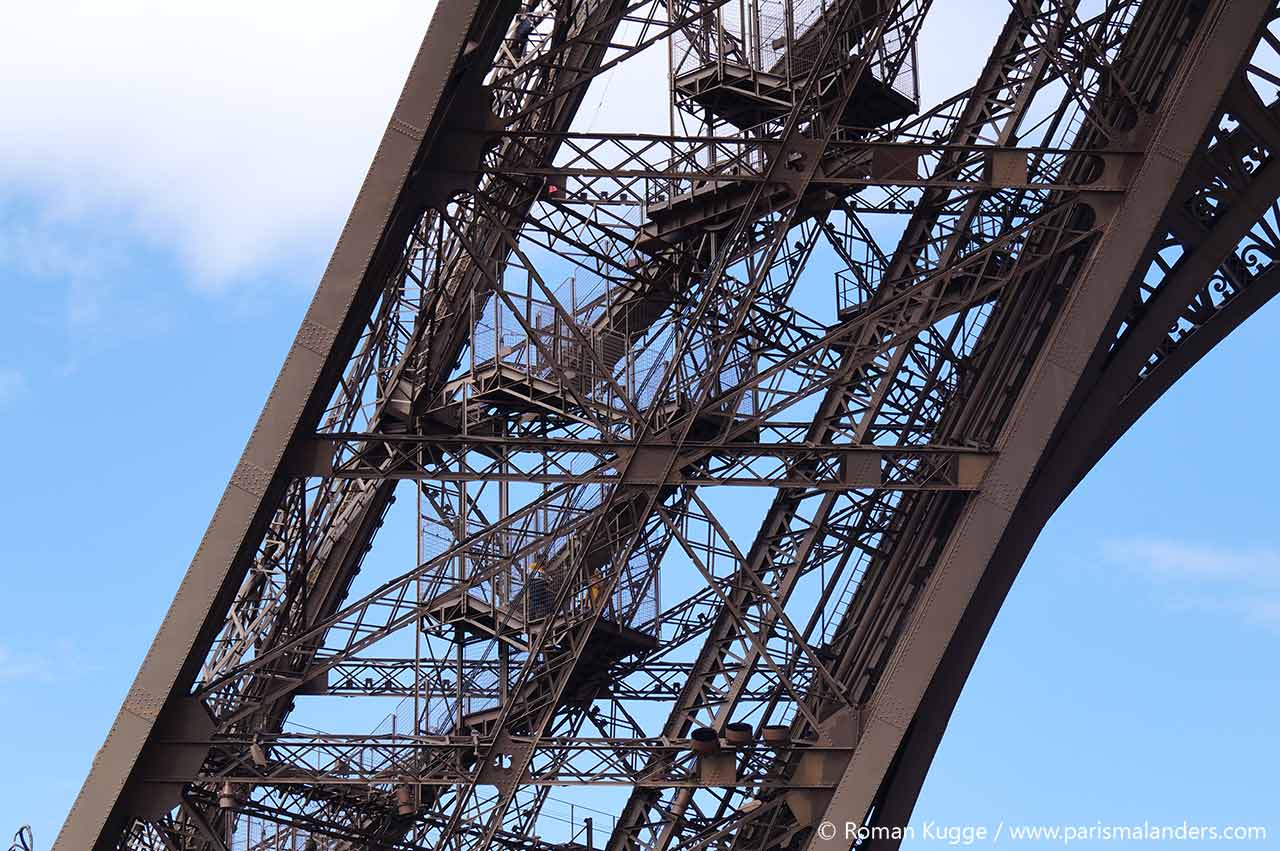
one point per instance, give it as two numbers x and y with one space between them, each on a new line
725 439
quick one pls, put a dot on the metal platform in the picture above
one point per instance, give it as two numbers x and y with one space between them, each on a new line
746 96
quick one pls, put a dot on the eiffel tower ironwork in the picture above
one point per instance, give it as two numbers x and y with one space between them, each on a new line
583 355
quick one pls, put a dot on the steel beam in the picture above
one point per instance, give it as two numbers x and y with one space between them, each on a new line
1080 229
986 522
460 41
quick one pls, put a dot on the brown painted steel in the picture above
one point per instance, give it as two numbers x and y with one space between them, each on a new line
370 242
997 529
565 445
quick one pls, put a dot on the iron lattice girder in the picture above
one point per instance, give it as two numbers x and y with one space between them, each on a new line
656 680
1080 336
1225 259
928 346
432 321
640 168
538 713
1245 190
284 824
111 797
919 301
356 511
552 461
294 759
362 520
1012 67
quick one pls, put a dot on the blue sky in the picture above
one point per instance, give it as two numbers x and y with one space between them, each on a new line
170 186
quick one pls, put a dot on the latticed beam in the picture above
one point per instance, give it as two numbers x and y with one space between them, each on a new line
583 353
798 465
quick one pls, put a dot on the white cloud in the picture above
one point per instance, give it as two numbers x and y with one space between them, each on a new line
1242 581
100 307
37 251
103 314
235 132
1173 560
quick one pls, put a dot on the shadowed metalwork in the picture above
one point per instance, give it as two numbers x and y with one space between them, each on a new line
724 441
